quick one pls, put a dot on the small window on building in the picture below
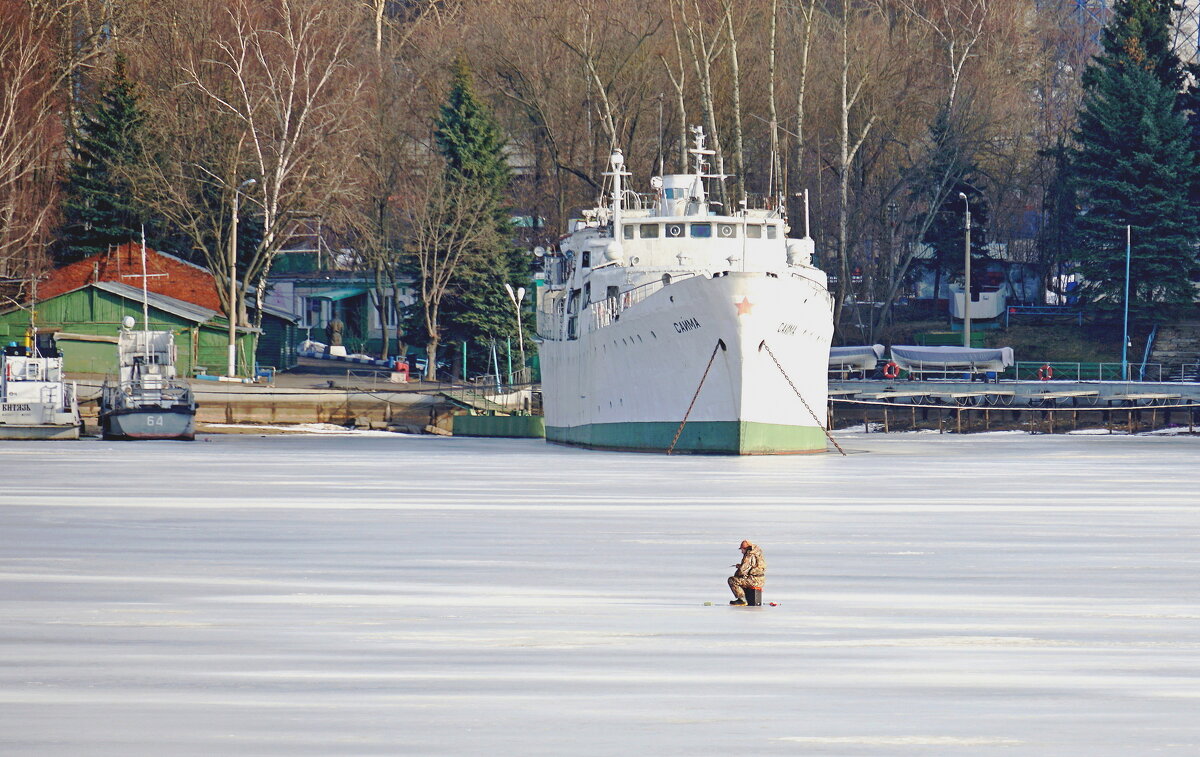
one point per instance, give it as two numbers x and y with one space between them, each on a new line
649 231
772 229
753 231
627 230
702 230
726 230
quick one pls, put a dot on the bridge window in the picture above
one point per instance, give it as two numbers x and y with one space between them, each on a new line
675 230
753 231
649 231
771 231
627 230
585 259
726 230
701 230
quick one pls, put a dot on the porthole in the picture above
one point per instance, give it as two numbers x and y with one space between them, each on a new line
726 230
674 230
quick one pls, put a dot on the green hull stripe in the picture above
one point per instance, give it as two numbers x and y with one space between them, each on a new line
698 437
510 426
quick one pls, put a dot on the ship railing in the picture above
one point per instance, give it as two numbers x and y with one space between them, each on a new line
550 321
607 311
122 393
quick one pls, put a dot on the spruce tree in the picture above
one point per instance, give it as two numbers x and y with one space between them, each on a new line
98 206
470 139
1139 34
1135 166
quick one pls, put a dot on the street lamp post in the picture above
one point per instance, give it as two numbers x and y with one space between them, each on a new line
518 297
967 271
1125 336
232 366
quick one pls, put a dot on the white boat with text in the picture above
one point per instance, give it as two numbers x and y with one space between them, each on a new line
36 402
671 325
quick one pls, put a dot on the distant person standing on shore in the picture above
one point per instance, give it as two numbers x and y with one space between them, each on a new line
751 572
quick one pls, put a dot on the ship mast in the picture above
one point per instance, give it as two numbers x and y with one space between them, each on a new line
617 161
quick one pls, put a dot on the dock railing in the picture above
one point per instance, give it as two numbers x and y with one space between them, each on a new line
1057 370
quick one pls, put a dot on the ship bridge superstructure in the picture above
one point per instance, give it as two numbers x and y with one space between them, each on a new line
620 253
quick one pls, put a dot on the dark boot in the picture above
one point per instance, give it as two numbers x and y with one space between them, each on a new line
740 602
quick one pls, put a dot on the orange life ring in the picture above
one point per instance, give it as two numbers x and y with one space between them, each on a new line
1045 373
891 370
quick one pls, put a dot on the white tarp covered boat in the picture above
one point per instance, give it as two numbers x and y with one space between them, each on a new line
849 359
974 360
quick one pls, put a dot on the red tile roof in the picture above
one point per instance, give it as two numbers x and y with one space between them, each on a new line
123 264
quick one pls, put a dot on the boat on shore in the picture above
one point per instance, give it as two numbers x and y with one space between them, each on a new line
147 400
669 324
36 402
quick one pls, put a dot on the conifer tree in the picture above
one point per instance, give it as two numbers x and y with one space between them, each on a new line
98 206
473 145
1139 34
1135 166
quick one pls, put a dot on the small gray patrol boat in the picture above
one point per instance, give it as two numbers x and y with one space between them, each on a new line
148 400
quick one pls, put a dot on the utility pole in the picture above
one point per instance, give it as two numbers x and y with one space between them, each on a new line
967 271
1125 336
232 366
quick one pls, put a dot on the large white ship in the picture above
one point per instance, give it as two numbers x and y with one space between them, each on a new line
670 325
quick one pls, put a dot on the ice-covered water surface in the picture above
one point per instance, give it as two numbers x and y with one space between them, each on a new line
999 594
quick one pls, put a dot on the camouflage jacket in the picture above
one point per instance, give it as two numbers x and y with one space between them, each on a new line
753 565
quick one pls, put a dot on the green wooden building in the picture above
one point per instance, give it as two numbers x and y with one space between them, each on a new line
85 322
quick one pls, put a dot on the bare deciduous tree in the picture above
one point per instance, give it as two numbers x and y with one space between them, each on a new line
445 221
294 97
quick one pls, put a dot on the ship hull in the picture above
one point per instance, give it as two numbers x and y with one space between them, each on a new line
19 432
734 364
149 424
701 438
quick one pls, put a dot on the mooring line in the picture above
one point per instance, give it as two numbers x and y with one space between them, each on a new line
788 378
678 431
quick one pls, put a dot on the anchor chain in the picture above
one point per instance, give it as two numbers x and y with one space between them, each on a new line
720 346
788 378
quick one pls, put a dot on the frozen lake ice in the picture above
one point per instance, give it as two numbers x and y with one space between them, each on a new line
988 594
